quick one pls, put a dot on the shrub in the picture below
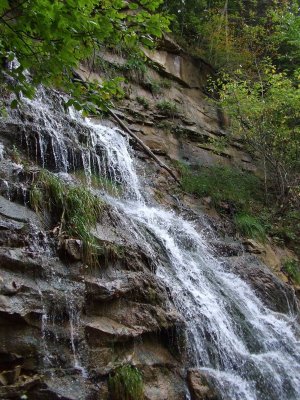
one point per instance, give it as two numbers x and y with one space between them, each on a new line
250 226
74 208
126 384
292 268
167 107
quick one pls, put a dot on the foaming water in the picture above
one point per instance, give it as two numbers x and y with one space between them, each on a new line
248 351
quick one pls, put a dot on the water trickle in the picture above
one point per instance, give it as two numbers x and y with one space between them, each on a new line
44 329
1 151
75 325
6 189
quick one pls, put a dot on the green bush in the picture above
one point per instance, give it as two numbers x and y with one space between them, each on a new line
292 269
126 384
250 226
167 107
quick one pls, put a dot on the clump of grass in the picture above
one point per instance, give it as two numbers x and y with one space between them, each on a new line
74 208
143 102
292 268
126 384
250 226
166 83
222 184
153 85
16 155
167 107
137 64
99 182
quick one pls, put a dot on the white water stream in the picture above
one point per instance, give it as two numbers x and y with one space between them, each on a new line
248 351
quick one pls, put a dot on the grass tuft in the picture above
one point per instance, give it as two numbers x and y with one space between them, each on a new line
126 384
99 182
250 226
292 269
74 208
167 107
221 184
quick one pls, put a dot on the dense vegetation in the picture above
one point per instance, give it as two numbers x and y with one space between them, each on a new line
253 46
50 37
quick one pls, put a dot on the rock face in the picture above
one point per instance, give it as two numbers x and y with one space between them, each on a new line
65 327
199 386
275 294
124 317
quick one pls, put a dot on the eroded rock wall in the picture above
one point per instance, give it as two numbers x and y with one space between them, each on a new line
66 327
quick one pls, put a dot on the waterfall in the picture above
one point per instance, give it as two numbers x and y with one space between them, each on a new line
246 350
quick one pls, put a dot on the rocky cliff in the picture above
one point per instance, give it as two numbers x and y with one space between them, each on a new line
66 327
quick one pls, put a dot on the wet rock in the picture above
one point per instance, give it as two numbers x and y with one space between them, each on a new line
138 286
227 249
71 249
252 246
10 377
17 212
121 321
199 386
102 330
24 384
163 383
277 295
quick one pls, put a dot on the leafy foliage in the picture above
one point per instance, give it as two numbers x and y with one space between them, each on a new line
50 38
126 384
235 33
266 115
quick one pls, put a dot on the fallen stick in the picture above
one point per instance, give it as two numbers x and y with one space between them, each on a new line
142 144
130 133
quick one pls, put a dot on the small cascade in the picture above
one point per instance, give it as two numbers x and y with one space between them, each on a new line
66 142
44 329
1 151
247 351
74 314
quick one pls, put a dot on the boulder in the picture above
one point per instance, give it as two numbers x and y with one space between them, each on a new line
199 386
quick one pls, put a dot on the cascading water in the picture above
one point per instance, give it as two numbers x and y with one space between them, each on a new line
247 351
